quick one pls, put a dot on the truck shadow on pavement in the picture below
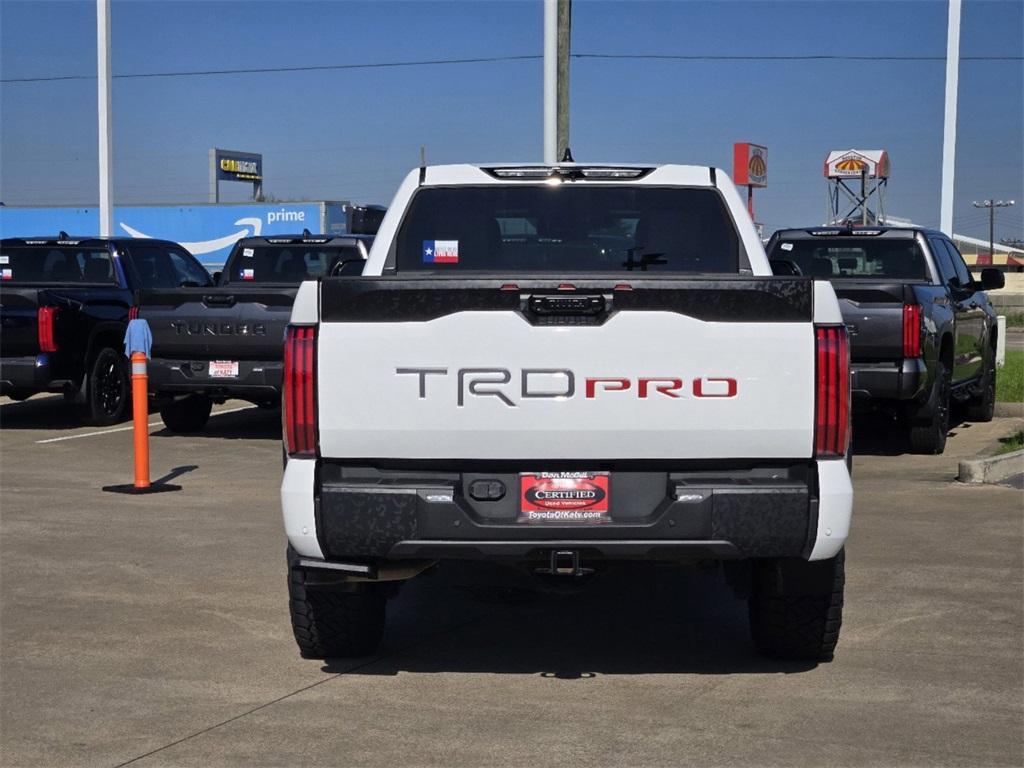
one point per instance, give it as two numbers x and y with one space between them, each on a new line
629 621
876 434
43 412
245 424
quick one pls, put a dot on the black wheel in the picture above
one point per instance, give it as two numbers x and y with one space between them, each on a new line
800 627
331 621
106 388
189 414
982 407
930 436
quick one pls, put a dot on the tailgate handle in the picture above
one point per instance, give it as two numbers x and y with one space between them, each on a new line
216 300
575 304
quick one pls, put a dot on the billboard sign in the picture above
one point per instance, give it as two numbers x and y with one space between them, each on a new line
750 164
237 166
851 163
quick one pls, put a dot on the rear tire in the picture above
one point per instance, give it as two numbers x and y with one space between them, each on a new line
189 414
983 407
797 627
334 621
930 437
106 389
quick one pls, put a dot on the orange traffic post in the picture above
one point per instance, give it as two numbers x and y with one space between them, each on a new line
137 342
140 418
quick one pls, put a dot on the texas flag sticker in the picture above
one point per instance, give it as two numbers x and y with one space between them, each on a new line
440 251
6 274
248 274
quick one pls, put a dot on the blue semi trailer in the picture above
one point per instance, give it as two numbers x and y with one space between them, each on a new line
208 231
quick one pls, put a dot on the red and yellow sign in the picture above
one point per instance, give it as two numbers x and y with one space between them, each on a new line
750 164
854 162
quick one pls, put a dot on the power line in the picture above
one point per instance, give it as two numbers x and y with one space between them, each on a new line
495 59
269 70
783 57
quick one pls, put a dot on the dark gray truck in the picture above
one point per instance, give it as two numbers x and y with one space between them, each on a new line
223 341
922 330
64 305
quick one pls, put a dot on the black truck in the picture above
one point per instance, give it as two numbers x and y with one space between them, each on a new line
64 305
922 330
225 341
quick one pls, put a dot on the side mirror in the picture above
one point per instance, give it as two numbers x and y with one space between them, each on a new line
785 267
992 279
216 277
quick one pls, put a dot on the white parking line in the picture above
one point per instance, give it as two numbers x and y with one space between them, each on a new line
125 429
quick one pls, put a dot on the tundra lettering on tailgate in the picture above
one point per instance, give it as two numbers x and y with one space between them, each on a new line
560 384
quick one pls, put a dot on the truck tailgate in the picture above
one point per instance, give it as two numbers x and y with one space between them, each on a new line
234 323
18 307
873 313
668 369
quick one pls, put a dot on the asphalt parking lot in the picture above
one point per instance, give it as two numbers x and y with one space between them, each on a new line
154 630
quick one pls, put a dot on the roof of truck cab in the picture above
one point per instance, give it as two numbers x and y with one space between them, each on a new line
313 239
883 232
89 240
654 174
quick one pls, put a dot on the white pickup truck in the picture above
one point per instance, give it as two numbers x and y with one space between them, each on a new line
560 367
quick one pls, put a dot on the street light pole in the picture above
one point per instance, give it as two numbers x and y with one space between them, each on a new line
949 124
992 205
550 81
105 117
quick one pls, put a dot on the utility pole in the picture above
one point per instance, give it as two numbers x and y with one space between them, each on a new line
557 29
564 44
949 126
105 117
992 205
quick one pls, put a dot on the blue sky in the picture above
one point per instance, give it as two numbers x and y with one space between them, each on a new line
353 134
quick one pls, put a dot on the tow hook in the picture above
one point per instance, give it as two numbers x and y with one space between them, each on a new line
565 562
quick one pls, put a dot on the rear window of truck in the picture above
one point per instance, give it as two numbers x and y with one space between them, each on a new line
288 264
567 228
56 266
852 257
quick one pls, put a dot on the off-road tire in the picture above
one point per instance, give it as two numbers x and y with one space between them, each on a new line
107 390
983 406
189 414
930 437
333 621
801 627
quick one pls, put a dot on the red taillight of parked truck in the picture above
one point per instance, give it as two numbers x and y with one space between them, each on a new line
299 396
832 392
911 330
45 322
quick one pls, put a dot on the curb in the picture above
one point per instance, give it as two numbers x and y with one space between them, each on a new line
993 469
1009 409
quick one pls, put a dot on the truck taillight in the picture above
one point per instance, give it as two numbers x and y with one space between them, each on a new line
299 397
47 331
832 392
911 330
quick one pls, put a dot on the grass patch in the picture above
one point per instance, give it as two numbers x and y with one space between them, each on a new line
1014 320
1014 442
1010 378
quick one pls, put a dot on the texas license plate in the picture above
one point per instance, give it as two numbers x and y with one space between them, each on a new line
223 369
564 498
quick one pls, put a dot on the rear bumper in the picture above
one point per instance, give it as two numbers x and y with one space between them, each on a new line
900 380
257 380
332 515
28 375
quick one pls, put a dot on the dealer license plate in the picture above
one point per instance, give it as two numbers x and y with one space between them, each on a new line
564 498
223 369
